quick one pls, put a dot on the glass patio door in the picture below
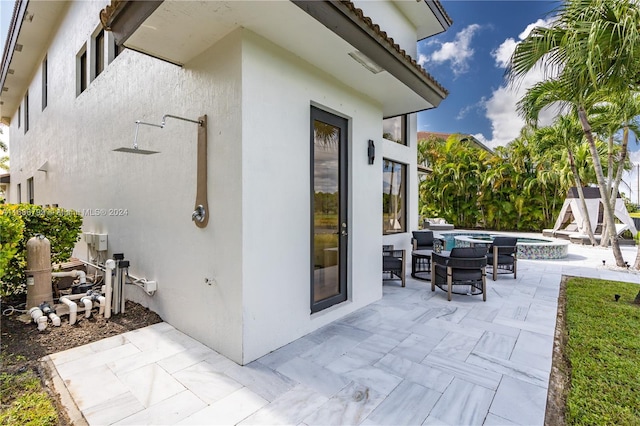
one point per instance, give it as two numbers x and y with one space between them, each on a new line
329 230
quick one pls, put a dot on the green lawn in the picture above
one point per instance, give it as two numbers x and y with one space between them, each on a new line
23 399
603 351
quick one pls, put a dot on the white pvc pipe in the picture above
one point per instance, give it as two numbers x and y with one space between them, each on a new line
73 308
102 301
81 274
42 323
110 265
88 305
55 320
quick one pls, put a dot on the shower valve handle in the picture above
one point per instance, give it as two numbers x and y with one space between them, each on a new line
199 213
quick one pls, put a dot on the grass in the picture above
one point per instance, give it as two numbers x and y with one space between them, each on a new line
23 400
603 351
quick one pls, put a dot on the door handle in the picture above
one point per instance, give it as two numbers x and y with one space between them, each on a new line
344 232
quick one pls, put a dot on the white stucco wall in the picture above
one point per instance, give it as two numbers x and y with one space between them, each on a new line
256 247
392 21
278 91
77 135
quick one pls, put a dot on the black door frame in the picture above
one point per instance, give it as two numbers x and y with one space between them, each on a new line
343 125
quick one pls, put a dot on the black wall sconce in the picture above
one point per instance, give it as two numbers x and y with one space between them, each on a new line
371 152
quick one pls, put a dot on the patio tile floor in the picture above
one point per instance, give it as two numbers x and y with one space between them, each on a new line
411 358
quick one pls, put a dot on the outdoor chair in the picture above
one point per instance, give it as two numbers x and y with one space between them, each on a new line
393 263
422 240
462 272
503 255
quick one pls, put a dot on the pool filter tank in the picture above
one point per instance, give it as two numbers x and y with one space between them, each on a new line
38 271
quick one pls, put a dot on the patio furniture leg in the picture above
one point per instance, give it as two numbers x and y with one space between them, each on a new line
495 264
449 282
484 286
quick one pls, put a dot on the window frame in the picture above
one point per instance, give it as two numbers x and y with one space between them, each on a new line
82 75
404 133
45 82
30 190
26 112
98 49
387 230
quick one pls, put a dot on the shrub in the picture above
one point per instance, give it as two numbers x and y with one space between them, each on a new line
11 230
60 226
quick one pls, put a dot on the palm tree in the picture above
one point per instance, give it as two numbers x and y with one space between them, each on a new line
566 133
619 113
593 45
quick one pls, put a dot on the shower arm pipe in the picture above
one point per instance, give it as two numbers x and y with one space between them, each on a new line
138 123
164 119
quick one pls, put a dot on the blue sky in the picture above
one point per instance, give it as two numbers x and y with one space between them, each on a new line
469 58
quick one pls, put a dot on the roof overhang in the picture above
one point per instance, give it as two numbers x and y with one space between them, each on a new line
427 24
28 37
178 32
5 178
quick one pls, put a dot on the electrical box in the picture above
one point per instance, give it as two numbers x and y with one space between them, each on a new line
100 242
88 238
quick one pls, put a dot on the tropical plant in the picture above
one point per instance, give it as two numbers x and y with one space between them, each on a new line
60 226
592 46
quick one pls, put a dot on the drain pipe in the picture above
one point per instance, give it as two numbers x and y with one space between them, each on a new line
108 282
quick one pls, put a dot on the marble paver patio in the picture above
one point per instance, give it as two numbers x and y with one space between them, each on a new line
411 358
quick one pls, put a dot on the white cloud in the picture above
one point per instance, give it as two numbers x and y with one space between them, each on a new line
500 107
457 52
503 53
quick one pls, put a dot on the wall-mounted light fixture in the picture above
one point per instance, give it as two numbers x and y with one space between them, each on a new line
371 152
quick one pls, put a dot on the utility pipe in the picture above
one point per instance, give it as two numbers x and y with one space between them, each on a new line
88 305
55 319
81 274
73 308
110 265
38 317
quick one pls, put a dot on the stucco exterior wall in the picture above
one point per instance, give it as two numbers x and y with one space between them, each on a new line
76 135
256 248
278 91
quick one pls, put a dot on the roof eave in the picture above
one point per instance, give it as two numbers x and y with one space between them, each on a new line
19 10
343 19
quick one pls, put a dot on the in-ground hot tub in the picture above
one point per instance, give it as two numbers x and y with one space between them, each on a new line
528 248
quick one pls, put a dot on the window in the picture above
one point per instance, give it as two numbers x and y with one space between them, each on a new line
394 197
81 71
114 49
98 53
19 115
30 190
26 112
395 129
45 82
19 193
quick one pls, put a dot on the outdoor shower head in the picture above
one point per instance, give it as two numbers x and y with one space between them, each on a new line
135 149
